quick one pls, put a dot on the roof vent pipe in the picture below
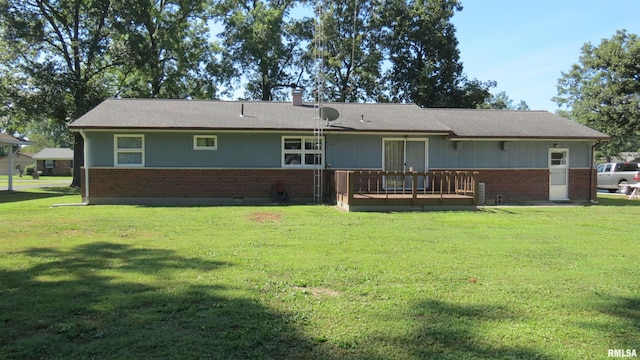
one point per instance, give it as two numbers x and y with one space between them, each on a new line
242 110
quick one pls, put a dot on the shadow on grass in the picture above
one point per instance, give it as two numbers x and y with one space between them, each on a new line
106 300
451 331
622 334
37 193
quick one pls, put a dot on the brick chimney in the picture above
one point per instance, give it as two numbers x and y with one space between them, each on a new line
296 96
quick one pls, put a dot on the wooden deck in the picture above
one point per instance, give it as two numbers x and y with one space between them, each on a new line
406 191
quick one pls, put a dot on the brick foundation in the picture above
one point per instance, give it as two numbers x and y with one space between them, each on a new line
113 183
525 185
519 185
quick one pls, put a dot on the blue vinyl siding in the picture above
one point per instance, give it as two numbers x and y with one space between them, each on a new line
166 149
342 151
353 151
490 154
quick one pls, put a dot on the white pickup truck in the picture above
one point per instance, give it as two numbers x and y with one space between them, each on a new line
617 176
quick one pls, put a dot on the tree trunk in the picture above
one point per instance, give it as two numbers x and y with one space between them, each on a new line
78 159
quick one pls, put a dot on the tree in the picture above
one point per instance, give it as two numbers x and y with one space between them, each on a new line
261 44
167 47
501 101
425 61
353 55
603 90
59 51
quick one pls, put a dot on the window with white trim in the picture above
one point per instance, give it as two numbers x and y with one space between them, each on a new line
48 164
205 142
302 151
128 150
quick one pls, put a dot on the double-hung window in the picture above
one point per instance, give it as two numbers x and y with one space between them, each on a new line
302 151
128 150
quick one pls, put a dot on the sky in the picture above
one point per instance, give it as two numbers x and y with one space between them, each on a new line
525 45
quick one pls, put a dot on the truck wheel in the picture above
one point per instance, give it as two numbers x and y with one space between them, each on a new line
624 188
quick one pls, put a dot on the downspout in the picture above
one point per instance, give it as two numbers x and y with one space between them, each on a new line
591 160
86 167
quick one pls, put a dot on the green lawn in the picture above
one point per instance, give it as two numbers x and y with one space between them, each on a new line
313 282
28 181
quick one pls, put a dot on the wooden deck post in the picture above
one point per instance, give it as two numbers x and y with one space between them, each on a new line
476 188
350 185
414 187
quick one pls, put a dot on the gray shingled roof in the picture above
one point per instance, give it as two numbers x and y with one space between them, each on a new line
217 115
54 154
477 123
6 139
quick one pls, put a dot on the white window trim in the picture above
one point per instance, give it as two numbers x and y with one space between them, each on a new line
302 152
49 163
117 150
195 142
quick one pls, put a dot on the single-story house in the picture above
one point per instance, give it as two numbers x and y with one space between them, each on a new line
20 161
141 151
13 146
55 161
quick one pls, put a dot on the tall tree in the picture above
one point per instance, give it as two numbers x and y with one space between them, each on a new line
167 47
261 43
353 55
425 61
59 48
603 90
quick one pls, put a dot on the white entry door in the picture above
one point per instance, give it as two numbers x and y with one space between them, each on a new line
558 174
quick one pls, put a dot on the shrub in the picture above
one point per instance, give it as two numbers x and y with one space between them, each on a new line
29 170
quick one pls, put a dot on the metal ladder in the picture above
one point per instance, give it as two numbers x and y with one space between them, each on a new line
319 80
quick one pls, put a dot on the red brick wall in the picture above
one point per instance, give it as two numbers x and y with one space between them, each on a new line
521 185
197 183
581 188
60 167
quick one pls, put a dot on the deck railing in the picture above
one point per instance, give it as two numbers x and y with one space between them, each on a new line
419 186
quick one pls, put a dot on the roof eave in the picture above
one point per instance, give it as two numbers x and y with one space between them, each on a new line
537 138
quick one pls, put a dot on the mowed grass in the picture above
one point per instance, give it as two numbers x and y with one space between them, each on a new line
313 282
28 181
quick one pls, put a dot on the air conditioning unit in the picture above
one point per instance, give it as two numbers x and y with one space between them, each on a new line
481 191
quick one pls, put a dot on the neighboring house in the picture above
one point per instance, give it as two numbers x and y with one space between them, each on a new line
12 146
168 151
55 161
20 161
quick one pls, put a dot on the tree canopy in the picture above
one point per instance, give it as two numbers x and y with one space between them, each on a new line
501 101
66 56
602 91
425 61
60 58
261 43
167 49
